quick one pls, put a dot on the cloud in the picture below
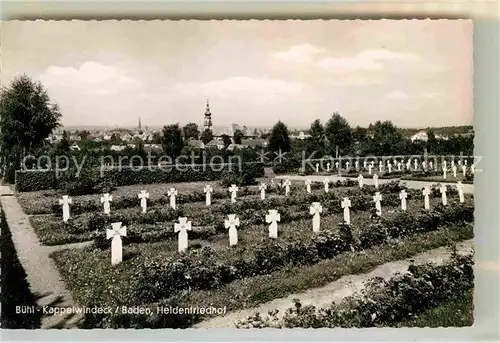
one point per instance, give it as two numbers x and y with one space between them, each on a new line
302 53
405 96
261 88
90 78
368 60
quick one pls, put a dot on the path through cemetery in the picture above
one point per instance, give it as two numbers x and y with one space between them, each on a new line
412 184
337 290
41 273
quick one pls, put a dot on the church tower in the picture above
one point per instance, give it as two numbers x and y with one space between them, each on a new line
207 124
140 126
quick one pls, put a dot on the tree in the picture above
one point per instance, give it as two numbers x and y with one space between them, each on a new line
238 136
207 136
27 118
84 135
172 142
317 139
279 140
359 134
431 141
387 139
191 131
64 145
338 133
227 140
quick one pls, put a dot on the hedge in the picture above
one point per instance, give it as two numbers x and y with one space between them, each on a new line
91 180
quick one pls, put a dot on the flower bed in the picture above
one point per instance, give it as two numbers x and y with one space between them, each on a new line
154 272
381 303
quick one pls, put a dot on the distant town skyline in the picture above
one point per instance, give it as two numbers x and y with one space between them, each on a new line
109 73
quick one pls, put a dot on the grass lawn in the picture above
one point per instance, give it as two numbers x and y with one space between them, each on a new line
455 312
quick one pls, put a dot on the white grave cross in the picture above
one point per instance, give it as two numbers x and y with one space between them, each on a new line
328 166
326 182
272 218
454 168
116 241
287 184
106 198
143 195
231 223
262 189
65 202
317 167
426 192
346 203
233 189
444 172
172 193
460 189
377 198
375 180
315 210
308 185
464 170
182 227
442 189
360 181
208 194
402 196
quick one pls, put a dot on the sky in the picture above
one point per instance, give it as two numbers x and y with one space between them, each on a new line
254 73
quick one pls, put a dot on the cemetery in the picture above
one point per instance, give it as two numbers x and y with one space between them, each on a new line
202 243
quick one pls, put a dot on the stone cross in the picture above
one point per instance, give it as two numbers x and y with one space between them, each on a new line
430 164
380 167
408 164
328 166
452 163
233 189
444 172
377 198
106 198
375 180
347 164
231 223
317 167
208 194
464 170
402 162
346 203
262 189
287 184
326 182
415 164
454 169
424 165
116 241
389 166
465 162
460 162
460 189
308 185
444 164
143 195
315 210
364 164
399 166
370 169
65 202
360 181
426 192
442 189
336 165
272 218
182 227
394 162
402 196
172 193
356 165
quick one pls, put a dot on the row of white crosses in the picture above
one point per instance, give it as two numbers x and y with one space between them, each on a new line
272 218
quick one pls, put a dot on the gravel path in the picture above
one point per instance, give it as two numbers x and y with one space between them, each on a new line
42 275
337 290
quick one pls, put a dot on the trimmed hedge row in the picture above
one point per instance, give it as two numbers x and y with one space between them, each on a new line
382 302
36 180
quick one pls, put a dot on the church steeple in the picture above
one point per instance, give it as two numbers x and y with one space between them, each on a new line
207 124
140 126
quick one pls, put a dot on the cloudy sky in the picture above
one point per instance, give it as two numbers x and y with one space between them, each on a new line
415 73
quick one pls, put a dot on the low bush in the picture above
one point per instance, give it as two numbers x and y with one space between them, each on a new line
381 303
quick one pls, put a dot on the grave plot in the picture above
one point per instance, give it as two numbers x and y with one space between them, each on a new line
208 255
